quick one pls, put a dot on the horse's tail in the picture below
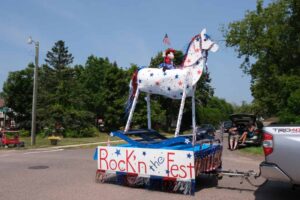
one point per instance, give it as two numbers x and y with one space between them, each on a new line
132 90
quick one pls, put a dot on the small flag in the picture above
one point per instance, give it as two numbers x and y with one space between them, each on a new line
166 40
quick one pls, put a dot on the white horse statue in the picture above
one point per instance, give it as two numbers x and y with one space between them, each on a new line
174 83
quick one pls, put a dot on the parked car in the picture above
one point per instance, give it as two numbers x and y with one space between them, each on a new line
225 126
205 131
241 121
281 144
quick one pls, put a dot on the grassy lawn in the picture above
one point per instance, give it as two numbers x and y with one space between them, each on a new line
253 150
42 142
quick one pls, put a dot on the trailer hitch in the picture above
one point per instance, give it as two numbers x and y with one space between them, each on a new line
240 174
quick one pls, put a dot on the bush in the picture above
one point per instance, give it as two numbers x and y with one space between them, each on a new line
24 133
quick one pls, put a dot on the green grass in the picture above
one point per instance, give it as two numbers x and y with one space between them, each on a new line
253 150
42 142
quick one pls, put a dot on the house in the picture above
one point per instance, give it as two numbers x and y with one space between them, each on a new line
5 120
2 105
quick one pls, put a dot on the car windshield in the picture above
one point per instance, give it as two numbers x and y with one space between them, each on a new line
205 126
227 124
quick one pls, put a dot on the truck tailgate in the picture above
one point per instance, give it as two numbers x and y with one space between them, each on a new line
286 150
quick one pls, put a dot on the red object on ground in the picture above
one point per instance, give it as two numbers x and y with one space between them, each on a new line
8 137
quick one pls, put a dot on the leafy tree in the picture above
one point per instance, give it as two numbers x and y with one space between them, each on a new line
17 92
214 112
268 41
62 97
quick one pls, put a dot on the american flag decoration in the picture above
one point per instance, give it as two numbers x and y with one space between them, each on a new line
166 40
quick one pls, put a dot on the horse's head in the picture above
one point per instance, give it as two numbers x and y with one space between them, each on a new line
198 44
207 43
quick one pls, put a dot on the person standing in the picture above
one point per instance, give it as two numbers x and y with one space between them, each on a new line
233 137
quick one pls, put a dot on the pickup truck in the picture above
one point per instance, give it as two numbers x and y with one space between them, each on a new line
281 145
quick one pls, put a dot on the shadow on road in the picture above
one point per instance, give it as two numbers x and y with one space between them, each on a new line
277 190
235 189
205 181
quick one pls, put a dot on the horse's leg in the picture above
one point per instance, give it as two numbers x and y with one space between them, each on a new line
148 111
180 111
132 110
194 116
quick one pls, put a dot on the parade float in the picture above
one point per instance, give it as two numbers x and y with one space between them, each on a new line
149 159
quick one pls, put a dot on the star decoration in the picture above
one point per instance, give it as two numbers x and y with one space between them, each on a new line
167 171
118 152
189 155
151 74
169 88
144 153
180 83
176 76
187 141
165 73
157 83
140 81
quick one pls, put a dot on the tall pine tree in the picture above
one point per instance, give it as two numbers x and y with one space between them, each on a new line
59 57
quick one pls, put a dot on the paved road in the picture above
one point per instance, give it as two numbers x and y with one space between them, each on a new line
69 174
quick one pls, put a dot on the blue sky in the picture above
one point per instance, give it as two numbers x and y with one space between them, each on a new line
125 31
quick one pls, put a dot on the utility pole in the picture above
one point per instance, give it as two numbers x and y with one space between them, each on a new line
35 86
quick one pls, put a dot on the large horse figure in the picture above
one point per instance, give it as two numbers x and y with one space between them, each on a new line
176 83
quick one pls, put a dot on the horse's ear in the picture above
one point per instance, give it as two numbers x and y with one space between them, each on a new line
203 31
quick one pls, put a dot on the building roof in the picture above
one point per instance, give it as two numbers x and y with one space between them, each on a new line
2 103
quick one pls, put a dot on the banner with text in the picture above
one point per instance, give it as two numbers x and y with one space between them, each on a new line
147 162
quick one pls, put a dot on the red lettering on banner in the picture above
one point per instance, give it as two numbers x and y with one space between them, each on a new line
128 161
121 161
115 165
139 166
103 158
174 168
182 168
169 160
191 169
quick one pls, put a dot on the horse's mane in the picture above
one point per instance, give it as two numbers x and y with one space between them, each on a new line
187 49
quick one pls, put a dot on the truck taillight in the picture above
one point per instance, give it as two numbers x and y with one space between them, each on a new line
268 144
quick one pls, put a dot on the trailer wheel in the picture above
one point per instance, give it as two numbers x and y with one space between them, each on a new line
131 180
99 177
21 144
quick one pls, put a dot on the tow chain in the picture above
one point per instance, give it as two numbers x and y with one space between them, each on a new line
242 175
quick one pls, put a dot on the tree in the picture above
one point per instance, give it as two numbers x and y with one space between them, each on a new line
268 41
59 57
62 99
17 92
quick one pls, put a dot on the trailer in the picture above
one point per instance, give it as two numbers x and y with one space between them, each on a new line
149 159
